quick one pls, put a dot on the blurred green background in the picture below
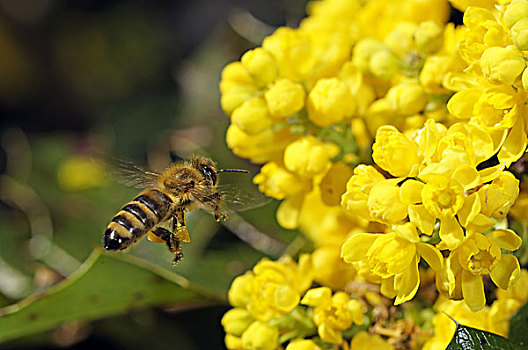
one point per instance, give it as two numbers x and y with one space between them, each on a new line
81 80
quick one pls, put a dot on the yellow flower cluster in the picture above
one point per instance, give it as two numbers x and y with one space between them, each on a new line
434 186
389 136
268 308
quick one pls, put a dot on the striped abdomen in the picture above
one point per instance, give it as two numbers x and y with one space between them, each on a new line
144 212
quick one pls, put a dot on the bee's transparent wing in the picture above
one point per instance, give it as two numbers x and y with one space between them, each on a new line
241 197
129 173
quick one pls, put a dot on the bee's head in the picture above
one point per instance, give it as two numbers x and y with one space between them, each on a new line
207 168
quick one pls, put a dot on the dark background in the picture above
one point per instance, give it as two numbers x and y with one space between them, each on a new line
137 79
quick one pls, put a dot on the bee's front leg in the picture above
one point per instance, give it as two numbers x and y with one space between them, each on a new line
214 202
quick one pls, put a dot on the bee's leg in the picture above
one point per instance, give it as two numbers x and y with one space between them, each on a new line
178 226
173 243
214 202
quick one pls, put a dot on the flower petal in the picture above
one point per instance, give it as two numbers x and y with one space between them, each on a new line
316 296
411 191
473 291
357 246
407 283
506 272
387 287
431 254
506 239
514 145
451 232
419 216
469 210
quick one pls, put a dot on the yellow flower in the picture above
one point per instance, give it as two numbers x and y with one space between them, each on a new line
394 258
329 102
259 148
252 116
498 197
332 314
515 11
519 33
279 183
479 255
329 269
233 342
260 336
366 341
384 64
284 98
394 152
302 344
322 223
363 52
273 288
236 321
384 202
502 65
429 37
233 75
407 98
358 189
308 156
260 65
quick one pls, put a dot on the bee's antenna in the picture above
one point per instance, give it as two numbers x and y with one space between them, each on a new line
232 171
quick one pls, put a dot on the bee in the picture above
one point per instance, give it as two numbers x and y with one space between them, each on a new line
167 196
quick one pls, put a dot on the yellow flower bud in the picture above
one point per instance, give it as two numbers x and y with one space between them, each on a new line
498 197
434 72
284 98
400 40
261 66
260 336
236 321
252 116
429 37
515 11
407 98
394 152
239 292
234 74
308 157
364 50
302 344
358 188
384 64
502 65
384 202
519 33
329 102
233 342
279 183
235 96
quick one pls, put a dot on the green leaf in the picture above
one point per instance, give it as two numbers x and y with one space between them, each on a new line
519 326
105 284
467 338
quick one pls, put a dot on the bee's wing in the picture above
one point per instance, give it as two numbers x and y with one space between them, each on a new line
240 197
130 173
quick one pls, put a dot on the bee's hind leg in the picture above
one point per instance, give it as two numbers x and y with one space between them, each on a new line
173 243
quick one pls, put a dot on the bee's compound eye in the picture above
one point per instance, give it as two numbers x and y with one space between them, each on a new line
112 241
208 173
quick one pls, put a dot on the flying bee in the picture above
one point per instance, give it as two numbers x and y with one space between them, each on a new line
167 196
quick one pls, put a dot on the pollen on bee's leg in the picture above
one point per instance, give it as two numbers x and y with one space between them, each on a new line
177 258
153 238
